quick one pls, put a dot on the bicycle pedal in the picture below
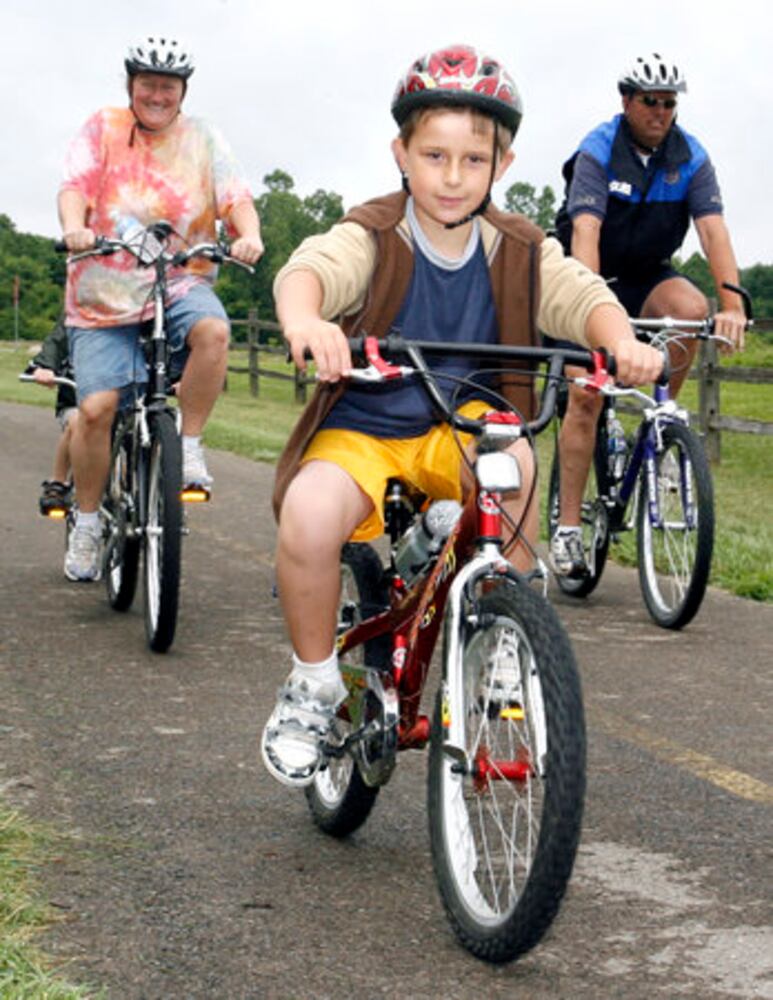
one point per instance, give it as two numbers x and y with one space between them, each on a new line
195 494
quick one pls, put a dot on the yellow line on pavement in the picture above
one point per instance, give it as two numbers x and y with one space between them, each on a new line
744 786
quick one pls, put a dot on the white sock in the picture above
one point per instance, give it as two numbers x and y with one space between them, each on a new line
88 520
324 678
564 528
191 441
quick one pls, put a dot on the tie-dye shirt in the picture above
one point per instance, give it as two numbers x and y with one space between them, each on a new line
185 174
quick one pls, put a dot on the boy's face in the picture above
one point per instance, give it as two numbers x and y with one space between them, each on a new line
448 163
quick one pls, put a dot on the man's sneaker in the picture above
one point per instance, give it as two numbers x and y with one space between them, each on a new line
83 561
195 469
567 555
292 740
55 497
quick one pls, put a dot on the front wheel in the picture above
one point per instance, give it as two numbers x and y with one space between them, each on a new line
163 532
338 798
505 809
675 529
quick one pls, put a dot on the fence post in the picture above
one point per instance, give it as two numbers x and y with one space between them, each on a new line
253 344
708 400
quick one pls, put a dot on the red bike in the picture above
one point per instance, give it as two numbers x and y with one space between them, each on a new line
506 777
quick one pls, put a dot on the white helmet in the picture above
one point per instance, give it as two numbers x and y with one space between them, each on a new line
159 55
652 72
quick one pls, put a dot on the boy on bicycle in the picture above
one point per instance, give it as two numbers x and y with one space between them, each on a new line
438 262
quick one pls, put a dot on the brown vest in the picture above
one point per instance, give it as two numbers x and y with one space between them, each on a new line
514 270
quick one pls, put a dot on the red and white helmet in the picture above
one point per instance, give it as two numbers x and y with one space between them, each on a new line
459 76
159 55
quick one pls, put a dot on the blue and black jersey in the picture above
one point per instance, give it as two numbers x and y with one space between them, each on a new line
646 203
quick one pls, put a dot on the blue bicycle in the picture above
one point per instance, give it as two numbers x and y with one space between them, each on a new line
658 482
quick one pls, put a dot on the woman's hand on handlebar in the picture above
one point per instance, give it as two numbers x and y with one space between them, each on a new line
247 249
327 345
78 240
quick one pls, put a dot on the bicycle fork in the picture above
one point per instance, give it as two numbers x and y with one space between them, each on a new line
489 565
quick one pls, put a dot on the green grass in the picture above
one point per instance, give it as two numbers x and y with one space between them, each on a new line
24 973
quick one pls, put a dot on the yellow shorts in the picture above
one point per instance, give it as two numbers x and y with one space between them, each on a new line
431 463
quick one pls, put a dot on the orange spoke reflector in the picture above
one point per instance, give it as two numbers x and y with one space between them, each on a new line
513 714
57 514
194 496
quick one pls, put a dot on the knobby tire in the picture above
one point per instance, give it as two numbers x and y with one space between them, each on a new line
503 850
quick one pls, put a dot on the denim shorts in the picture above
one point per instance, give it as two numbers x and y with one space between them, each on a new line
113 357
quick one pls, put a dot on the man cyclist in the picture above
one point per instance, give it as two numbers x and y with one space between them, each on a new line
141 164
632 187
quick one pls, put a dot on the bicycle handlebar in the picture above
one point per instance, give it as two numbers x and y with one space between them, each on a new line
704 328
598 363
57 380
105 246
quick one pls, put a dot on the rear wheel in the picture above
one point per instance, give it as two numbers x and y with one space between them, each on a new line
338 798
675 542
505 809
122 547
594 517
163 532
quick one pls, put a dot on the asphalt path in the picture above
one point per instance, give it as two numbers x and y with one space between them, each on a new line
188 872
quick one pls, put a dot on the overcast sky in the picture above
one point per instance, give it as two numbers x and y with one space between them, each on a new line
305 85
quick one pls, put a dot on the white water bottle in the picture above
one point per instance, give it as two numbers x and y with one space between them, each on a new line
144 245
425 538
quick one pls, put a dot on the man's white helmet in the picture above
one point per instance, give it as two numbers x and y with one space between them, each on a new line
159 55
652 72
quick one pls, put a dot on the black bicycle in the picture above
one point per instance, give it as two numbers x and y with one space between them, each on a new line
142 504
658 482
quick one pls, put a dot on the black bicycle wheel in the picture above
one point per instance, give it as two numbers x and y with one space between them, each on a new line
338 798
675 549
505 809
594 517
122 545
162 537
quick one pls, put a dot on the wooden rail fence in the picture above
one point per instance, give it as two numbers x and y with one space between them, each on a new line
708 372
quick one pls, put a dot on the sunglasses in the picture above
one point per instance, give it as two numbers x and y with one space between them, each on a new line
668 103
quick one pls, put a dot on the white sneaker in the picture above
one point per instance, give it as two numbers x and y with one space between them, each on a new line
195 468
567 554
83 560
292 740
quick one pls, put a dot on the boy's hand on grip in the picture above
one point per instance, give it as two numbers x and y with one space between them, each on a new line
327 344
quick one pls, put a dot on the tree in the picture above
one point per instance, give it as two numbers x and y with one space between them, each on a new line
522 197
286 220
